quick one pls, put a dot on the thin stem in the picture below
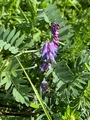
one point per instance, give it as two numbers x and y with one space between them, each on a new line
87 66
23 14
61 43
22 52
27 68
36 92
74 5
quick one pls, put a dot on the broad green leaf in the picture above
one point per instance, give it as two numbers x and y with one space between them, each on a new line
34 105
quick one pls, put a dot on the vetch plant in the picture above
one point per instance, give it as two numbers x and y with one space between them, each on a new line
64 79
50 48
45 87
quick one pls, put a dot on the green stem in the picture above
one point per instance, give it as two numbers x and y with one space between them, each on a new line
30 51
87 66
27 68
74 5
61 43
36 92
23 14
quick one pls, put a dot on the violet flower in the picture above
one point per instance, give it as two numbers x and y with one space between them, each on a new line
50 48
55 29
44 86
45 66
49 51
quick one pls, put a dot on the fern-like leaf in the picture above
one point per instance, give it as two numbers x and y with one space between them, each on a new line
10 39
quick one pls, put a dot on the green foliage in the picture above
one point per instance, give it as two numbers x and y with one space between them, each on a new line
9 40
9 76
51 14
24 28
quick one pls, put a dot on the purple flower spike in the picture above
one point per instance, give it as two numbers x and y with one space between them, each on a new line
45 49
44 86
53 48
49 51
45 66
56 39
50 48
55 29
